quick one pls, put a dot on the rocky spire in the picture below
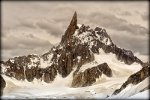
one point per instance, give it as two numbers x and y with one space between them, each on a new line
71 28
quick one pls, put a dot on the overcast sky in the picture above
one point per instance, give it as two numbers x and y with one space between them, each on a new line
34 27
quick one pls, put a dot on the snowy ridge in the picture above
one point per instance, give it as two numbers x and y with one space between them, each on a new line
112 61
132 90
86 35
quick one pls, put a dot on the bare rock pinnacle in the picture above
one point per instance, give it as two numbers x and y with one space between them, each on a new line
71 29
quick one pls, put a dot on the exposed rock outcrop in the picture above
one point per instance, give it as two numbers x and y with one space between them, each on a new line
70 30
135 78
88 77
2 84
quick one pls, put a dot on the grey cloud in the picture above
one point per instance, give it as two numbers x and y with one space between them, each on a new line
111 21
7 45
145 17
52 28
136 44
13 46
6 54
26 24
24 42
125 13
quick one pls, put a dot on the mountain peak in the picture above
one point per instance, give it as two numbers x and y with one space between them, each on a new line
71 29
74 20
84 57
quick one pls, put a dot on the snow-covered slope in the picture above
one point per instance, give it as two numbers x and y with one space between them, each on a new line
60 88
131 90
102 88
141 95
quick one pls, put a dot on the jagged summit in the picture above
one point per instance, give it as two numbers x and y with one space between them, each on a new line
71 29
78 46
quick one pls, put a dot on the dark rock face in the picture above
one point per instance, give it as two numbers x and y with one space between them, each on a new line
135 78
50 74
70 30
69 58
88 77
2 84
24 70
19 67
125 55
